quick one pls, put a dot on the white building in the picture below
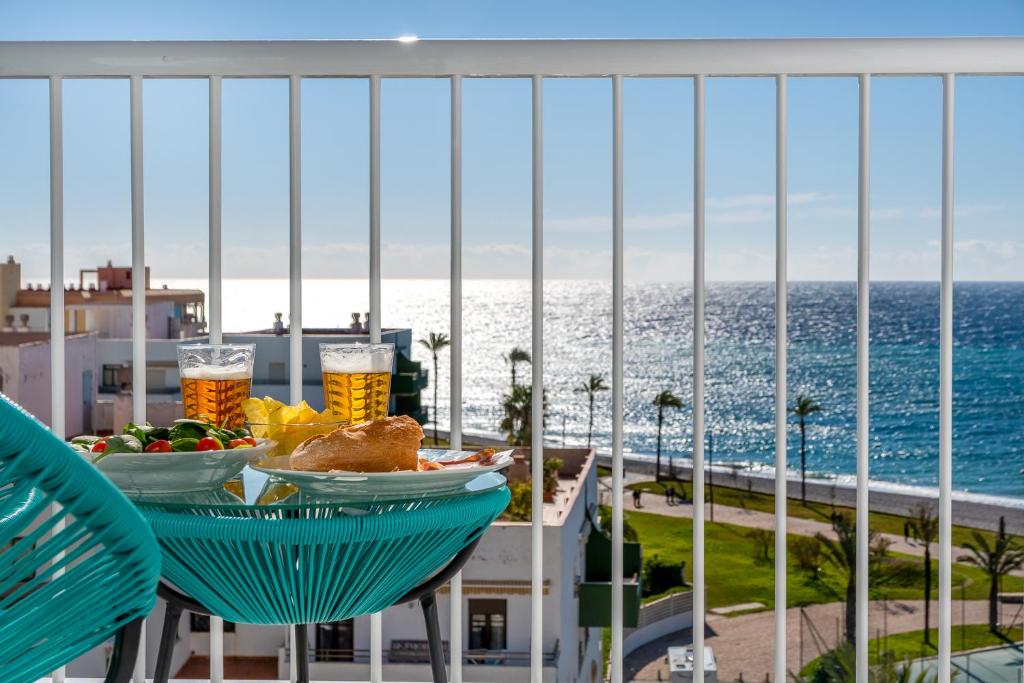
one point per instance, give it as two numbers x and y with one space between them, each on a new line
100 304
25 375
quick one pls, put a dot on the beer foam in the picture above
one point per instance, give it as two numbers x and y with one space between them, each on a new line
356 362
214 372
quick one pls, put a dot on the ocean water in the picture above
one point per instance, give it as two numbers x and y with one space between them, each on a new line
988 439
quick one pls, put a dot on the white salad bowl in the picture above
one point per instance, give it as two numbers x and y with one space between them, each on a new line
178 472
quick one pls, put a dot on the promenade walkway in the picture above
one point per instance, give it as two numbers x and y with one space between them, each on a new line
656 504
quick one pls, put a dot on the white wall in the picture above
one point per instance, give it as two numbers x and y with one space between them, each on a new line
26 371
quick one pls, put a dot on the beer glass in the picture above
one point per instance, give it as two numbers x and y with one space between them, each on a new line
215 379
357 380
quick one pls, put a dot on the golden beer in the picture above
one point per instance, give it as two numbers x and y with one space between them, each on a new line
357 380
357 396
215 379
217 400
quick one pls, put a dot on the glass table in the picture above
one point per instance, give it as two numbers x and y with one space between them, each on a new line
263 551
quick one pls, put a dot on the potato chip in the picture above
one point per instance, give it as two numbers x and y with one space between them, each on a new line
288 425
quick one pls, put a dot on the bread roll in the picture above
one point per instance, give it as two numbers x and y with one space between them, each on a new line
384 445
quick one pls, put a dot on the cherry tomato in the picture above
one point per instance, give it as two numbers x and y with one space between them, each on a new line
249 440
99 446
239 443
159 446
209 443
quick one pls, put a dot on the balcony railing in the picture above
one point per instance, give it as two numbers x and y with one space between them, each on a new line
614 60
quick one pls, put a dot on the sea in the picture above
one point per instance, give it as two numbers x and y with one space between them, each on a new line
988 365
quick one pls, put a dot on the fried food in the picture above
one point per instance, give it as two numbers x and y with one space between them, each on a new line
386 445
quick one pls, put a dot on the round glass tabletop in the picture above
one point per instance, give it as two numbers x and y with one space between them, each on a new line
254 492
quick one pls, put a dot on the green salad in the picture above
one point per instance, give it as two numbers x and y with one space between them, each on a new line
183 436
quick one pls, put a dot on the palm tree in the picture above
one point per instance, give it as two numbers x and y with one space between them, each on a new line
804 408
513 358
841 553
518 409
594 384
924 526
665 399
997 560
435 343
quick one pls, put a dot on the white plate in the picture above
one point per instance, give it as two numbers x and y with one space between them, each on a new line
179 472
387 485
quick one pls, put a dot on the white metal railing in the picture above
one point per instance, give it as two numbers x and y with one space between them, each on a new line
537 60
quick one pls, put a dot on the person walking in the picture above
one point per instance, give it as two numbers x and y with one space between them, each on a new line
636 498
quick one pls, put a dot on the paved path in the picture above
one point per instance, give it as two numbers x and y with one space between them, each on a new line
743 644
725 514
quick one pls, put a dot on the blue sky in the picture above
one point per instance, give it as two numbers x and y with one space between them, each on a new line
658 134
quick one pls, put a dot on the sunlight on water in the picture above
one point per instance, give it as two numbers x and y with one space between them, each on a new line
989 364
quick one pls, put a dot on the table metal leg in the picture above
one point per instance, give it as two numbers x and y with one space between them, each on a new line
429 604
300 651
172 615
126 650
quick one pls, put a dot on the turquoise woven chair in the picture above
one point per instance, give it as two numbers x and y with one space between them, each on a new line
64 592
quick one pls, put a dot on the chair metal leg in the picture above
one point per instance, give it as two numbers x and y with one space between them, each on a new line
172 615
301 653
429 604
126 650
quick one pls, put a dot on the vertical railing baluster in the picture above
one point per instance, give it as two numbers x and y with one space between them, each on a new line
618 392
295 239
214 285
946 386
455 373
781 321
57 405
863 375
698 379
138 293
294 269
537 419
214 316
376 627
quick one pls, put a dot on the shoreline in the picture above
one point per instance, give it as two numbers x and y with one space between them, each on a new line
976 510
979 511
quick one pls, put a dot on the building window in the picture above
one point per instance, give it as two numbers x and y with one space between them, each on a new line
334 641
111 375
200 623
487 624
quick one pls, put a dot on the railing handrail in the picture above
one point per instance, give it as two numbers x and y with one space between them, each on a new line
514 58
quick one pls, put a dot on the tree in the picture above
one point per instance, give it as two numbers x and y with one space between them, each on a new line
594 384
665 399
435 343
997 560
518 409
841 553
924 526
517 425
515 357
805 407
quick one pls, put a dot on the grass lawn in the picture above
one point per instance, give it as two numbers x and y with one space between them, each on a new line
909 645
735 573
763 502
